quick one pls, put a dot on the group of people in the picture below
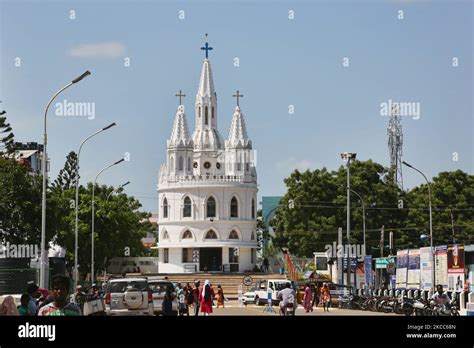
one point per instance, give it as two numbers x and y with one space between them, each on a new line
314 295
201 299
41 302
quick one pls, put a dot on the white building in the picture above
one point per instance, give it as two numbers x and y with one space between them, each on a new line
207 191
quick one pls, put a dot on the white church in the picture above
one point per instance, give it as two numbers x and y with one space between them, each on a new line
207 190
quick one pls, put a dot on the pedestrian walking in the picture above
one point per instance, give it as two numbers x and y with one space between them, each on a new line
182 305
80 298
23 308
325 297
220 296
8 307
196 297
308 298
32 290
265 265
60 306
167 304
316 294
207 298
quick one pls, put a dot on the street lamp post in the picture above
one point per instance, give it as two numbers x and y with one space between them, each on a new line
93 214
76 207
431 225
363 217
117 189
347 156
44 173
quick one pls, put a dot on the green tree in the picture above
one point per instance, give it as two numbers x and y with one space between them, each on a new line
67 176
7 138
315 206
452 205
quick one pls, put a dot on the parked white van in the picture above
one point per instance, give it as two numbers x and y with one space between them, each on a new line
264 285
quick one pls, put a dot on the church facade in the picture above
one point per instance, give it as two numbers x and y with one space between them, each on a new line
207 190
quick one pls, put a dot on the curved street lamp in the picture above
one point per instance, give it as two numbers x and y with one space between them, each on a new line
117 189
76 206
44 173
93 213
431 225
363 216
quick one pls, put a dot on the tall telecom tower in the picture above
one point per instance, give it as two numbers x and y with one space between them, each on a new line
395 142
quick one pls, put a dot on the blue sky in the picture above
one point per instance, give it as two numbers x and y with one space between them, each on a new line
282 62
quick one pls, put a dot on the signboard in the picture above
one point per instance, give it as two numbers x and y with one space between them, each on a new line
426 268
368 270
195 254
353 263
384 262
455 258
441 265
402 268
413 274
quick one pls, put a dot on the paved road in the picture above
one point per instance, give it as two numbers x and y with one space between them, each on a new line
254 310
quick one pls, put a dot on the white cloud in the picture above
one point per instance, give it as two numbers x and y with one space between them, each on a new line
111 49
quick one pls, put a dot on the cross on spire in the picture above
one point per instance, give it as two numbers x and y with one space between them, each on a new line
180 95
207 48
238 96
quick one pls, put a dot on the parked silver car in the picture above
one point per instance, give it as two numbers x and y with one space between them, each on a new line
128 296
158 288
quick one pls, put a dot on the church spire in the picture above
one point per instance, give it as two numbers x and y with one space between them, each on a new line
238 137
180 134
206 135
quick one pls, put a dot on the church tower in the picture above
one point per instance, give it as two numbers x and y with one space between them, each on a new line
207 140
180 145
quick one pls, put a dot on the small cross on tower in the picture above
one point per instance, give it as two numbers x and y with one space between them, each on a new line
207 48
238 96
180 95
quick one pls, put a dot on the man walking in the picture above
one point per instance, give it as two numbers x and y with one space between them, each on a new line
197 297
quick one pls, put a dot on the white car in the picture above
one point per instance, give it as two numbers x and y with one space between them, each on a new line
128 296
264 286
249 296
158 288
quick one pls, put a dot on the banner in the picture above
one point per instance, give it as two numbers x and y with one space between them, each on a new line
402 268
441 265
455 267
368 270
413 277
426 268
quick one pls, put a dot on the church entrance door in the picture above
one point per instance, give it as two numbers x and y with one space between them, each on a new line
210 259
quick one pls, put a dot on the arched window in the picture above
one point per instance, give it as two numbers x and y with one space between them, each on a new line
206 115
199 112
189 163
253 208
172 162
239 163
166 235
211 235
187 207
165 208
187 235
252 236
211 207
180 163
233 235
212 112
234 208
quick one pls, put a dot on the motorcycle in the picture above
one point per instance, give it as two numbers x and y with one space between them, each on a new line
289 308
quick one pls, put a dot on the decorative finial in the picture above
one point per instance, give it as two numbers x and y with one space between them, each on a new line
180 95
207 48
238 96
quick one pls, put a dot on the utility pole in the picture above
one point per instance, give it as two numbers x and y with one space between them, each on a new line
452 224
381 240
